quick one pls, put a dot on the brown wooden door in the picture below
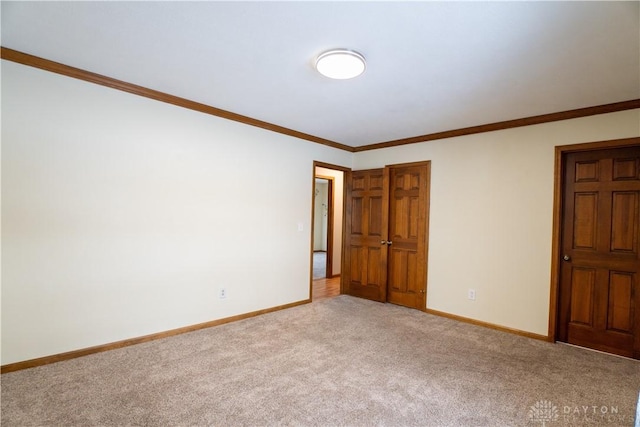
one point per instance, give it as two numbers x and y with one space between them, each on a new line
386 237
599 293
365 244
407 260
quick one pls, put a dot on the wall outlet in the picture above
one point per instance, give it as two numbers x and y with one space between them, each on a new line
471 294
222 293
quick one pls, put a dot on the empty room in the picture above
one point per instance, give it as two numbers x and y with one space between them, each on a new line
251 213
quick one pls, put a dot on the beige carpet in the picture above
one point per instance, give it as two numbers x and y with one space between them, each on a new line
342 361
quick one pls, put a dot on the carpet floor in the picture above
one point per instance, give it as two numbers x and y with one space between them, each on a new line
341 361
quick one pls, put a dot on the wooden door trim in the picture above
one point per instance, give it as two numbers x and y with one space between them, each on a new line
410 164
556 239
320 164
346 171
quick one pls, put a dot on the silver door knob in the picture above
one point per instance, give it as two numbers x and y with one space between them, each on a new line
383 242
389 242
566 257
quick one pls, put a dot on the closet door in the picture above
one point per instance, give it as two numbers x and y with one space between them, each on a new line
365 254
407 258
386 234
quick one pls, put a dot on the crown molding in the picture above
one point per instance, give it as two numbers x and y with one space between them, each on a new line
77 73
508 124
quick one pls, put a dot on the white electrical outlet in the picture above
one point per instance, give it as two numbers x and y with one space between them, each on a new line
222 293
472 294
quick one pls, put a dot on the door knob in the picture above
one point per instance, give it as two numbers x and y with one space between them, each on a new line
389 242
383 242
566 257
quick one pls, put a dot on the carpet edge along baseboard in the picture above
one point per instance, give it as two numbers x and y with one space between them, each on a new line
46 360
489 325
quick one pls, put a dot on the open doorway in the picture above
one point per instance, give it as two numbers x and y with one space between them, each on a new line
328 208
323 228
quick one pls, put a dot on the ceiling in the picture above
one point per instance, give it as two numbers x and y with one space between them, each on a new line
431 66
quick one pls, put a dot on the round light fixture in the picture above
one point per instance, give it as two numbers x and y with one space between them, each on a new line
340 64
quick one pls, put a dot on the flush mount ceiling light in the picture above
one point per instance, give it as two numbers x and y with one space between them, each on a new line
340 64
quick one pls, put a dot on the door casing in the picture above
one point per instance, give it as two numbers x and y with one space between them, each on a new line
345 172
556 241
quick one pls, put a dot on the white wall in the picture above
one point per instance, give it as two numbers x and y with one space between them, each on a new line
491 215
320 215
123 216
338 209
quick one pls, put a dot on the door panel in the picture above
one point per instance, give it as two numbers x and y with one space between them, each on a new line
586 220
620 296
582 286
375 216
366 222
624 220
357 215
408 234
598 285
